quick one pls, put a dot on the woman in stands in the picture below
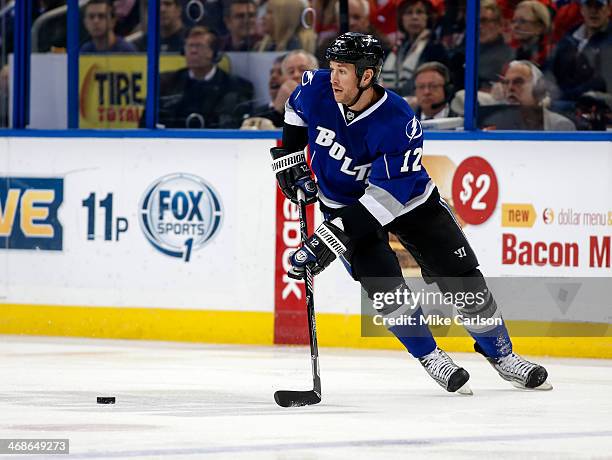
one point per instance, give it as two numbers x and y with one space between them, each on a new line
531 26
416 46
283 28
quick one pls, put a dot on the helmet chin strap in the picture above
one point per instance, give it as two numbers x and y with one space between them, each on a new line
360 91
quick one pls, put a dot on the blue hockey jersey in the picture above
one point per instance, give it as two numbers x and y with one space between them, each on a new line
375 157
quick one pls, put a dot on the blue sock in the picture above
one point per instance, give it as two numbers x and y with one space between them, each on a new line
415 337
495 343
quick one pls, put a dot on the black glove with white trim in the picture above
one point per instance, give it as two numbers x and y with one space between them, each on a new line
320 249
292 173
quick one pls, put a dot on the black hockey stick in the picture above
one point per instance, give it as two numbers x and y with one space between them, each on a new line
288 398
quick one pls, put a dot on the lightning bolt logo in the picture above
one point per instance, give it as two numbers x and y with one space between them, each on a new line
414 129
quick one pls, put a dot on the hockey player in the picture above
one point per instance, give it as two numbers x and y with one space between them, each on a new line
366 147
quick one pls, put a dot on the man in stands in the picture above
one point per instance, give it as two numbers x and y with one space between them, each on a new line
239 17
99 22
526 97
265 116
293 66
432 91
359 21
494 51
582 60
171 29
202 95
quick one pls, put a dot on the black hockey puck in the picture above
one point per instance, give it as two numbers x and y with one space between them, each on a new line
105 400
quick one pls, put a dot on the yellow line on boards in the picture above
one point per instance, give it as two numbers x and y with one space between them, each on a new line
578 340
584 340
216 326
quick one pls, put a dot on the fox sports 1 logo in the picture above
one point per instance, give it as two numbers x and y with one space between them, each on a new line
180 213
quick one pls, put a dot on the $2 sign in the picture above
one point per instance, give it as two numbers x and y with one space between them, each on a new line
475 190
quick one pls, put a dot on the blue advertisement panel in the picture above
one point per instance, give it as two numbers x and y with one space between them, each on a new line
29 213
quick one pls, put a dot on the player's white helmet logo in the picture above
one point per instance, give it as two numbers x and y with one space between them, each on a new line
414 129
307 77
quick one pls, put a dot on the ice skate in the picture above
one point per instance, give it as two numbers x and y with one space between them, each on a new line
444 371
518 371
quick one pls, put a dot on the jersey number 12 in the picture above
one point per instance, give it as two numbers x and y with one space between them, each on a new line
416 164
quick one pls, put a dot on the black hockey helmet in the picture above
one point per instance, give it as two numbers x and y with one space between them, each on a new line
364 51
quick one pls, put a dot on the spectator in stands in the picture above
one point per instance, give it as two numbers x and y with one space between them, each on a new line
326 12
266 116
99 22
128 17
359 16
433 91
383 18
523 85
566 18
494 52
202 95
359 21
531 26
451 26
240 19
450 32
171 29
283 28
416 47
276 76
508 7
583 58
293 66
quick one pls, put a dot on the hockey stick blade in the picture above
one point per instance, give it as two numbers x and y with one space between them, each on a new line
296 398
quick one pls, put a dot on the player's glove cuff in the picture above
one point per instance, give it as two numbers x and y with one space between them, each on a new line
292 173
282 159
326 244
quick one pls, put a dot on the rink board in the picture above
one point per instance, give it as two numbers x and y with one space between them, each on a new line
88 247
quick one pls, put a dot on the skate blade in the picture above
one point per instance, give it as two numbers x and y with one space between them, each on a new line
544 387
465 390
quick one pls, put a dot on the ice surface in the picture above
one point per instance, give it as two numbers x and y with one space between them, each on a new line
188 401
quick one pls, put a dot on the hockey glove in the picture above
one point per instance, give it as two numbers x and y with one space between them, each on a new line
319 250
292 173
